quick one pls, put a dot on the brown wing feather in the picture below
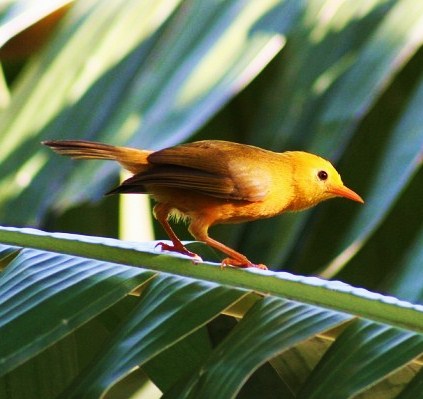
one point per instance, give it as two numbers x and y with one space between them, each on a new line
177 177
216 168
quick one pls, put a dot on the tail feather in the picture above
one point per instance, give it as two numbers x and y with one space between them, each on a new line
81 149
131 159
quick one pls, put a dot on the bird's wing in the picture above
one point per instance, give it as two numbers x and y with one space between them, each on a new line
216 168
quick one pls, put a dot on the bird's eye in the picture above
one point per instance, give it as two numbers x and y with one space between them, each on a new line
322 175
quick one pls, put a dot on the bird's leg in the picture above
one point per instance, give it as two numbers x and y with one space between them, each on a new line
161 213
199 231
235 258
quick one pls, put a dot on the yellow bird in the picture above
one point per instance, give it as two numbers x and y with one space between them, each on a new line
217 182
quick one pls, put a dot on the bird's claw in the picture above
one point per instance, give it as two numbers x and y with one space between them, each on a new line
181 250
242 264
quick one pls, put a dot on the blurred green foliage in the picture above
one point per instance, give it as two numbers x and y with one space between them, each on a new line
339 78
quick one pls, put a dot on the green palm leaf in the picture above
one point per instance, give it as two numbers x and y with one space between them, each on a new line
172 307
35 282
265 330
343 372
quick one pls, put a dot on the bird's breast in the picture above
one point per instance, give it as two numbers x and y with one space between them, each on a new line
219 210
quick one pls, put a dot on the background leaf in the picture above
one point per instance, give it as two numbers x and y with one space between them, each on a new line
157 66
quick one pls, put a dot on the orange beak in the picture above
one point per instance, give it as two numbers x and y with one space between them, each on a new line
345 192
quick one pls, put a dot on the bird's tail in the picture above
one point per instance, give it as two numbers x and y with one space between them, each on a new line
132 159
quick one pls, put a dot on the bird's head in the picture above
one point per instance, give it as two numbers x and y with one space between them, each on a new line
316 180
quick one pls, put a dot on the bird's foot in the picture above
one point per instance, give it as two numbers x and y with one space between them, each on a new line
243 264
179 249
